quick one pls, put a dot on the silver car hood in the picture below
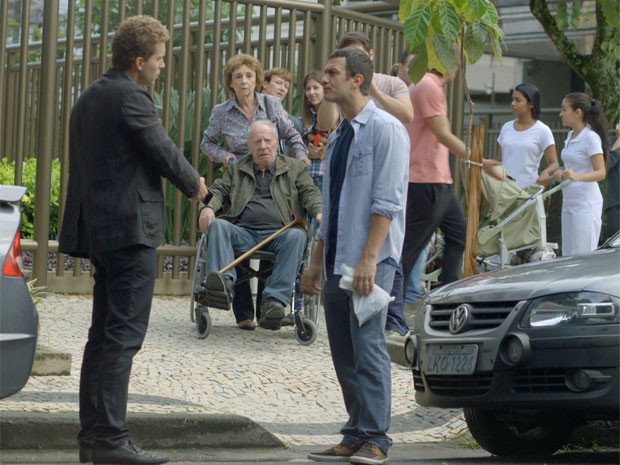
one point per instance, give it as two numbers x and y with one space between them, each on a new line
596 272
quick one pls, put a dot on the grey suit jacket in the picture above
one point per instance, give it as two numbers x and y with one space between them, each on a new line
118 153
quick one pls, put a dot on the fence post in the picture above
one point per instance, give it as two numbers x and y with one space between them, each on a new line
324 46
4 8
45 139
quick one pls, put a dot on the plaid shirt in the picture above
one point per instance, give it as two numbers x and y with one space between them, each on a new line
317 168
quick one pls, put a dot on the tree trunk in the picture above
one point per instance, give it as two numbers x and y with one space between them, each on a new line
598 69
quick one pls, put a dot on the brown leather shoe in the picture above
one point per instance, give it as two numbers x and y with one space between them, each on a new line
339 453
247 325
369 454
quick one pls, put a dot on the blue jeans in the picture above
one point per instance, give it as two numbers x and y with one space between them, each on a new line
224 239
414 289
396 320
361 362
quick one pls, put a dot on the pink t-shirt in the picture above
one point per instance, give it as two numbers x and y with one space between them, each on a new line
429 160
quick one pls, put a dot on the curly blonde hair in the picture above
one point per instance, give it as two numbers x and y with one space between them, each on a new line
234 63
137 36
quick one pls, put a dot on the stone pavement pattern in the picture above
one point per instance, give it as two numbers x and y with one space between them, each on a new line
289 389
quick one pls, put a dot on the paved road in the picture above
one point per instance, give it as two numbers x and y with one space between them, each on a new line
289 389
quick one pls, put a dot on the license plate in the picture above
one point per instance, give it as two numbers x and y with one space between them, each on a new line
451 359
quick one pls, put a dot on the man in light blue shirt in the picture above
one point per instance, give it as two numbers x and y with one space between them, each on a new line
364 196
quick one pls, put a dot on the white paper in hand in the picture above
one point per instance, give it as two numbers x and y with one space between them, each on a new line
367 306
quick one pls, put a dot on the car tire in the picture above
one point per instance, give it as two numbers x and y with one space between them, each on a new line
515 434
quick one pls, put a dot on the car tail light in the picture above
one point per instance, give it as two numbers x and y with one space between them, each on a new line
13 266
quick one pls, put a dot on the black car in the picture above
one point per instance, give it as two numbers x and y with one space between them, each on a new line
528 352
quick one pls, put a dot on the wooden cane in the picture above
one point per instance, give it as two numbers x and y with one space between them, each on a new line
296 222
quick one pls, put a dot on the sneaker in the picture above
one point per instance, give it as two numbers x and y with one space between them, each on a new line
271 314
369 454
391 333
339 453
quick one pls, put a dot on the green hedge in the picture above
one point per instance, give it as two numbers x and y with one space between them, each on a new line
29 176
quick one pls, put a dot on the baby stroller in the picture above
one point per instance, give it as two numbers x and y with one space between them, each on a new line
304 309
512 228
513 223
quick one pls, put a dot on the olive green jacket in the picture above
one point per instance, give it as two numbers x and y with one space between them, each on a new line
292 190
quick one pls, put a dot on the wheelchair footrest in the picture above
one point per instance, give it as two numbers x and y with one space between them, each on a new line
200 295
216 294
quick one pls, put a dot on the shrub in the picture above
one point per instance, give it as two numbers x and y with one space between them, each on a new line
29 176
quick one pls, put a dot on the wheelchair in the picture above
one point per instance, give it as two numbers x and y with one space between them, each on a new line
304 309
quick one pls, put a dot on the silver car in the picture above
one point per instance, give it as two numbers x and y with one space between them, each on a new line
528 352
19 320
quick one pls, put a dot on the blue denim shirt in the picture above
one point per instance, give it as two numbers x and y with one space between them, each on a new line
375 184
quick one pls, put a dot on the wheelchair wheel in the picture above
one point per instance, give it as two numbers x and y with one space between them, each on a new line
203 322
305 332
199 274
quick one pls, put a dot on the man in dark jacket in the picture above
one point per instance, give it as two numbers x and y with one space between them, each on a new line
114 215
263 192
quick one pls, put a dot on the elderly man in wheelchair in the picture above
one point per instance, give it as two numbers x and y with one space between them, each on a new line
264 197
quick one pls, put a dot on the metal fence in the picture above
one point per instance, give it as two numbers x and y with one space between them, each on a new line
46 66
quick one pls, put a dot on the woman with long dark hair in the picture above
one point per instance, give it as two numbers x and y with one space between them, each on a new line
314 137
583 155
524 140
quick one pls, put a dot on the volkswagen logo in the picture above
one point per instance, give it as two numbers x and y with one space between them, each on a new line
459 320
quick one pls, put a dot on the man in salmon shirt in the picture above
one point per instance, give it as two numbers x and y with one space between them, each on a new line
431 202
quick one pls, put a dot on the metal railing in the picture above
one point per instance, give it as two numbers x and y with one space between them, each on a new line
41 80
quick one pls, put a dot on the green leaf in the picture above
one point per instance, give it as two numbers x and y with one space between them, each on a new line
434 62
479 31
416 25
450 23
611 11
562 16
404 9
490 16
418 66
497 33
473 48
497 48
435 23
478 7
460 5
574 16
444 52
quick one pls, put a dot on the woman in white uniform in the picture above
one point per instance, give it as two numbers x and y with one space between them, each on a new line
583 156
524 140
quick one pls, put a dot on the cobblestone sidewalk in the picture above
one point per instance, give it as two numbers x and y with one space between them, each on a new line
289 389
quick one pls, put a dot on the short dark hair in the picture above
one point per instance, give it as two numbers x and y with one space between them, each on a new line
357 62
532 95
135 37
355 38
282 73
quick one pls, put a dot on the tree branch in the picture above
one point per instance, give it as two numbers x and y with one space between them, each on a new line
567 49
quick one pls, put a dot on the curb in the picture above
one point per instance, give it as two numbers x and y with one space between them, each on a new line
50 362
34 431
